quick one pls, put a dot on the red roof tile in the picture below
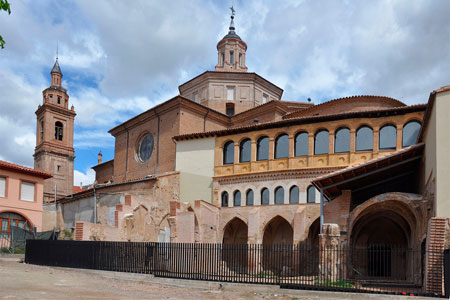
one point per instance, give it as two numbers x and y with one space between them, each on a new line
22 169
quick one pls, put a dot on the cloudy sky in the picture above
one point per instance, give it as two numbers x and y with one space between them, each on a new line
120 58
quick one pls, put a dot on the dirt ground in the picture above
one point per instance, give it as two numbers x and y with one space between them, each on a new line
22 281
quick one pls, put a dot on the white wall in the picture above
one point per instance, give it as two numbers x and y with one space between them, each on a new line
195 162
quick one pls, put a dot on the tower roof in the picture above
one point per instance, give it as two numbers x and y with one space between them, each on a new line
231 33
56 68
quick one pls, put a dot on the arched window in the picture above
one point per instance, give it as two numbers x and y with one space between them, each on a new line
311 194
321 141
294 195
364 139
301 144
262 148
279 195
7 220
342 140
58 131
282 146
237 198
249 197
228 153
264 196
388 137
245 150
410 133
224 199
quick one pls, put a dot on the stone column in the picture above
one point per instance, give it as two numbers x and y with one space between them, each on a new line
331 262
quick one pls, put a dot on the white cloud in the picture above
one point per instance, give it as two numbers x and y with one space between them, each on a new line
86 178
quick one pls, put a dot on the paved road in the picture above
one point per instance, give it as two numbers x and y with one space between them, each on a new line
22 281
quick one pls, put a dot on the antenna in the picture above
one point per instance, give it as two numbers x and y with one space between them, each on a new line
56 50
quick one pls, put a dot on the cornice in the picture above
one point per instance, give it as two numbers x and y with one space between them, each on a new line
275 175
55 108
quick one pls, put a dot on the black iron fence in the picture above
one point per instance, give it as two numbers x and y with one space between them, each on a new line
378 269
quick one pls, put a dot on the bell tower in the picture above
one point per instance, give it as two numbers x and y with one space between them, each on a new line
54 152
231 50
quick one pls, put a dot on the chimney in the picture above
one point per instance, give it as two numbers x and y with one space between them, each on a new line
100 157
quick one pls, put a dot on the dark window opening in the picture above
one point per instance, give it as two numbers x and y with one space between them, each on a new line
245 149
364 139
388 137
224 199
237 198
264 196
342 141
262 148
59 99
249 197
282 146
311 194
58 131
294 195
321 142
228 153
301 144
279 195
230 109
410 133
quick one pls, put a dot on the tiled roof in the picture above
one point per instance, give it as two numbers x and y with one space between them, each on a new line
77 189
23 169
301 120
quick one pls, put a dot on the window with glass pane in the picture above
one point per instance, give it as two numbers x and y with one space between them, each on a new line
342 140
311 194
262 149
245 150
364 139
282 146
224 199
237 198
410 133
388 137
231 57
279 195
321 142
2 187
264 196
27 191
294 194
228 153
301 144
249 197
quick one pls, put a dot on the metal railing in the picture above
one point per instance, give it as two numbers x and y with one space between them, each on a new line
378 269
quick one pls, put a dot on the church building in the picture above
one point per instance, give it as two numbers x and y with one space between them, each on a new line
229 161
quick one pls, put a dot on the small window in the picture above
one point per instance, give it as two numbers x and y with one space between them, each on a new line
282 146
224 199
279 195
321 142
265 196
145 149
196 97
27 191
230 93
250 197
262 148
59 99
231 57
58 131
42 130
51 95
364 139
311 194
301 144
265 98
58 168
294 195
342 140
410 133
230 109
228 153
245 150
222 59
388 137
237 198
2 187
240 59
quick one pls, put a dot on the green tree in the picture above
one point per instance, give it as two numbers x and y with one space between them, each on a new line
4 5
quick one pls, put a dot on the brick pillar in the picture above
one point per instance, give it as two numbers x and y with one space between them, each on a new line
434 259
331 260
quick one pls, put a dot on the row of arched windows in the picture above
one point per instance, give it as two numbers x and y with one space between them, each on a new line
294 196
364 142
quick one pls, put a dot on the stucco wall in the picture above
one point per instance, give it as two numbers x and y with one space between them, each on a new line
442 140
195 162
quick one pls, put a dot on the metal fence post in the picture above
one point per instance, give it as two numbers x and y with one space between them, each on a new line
447 273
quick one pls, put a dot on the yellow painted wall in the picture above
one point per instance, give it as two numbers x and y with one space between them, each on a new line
195 162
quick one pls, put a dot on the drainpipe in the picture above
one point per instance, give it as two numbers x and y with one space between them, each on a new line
95 206
321 209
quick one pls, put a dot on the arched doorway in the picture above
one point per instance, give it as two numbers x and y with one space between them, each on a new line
277 246
234 249
380 241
